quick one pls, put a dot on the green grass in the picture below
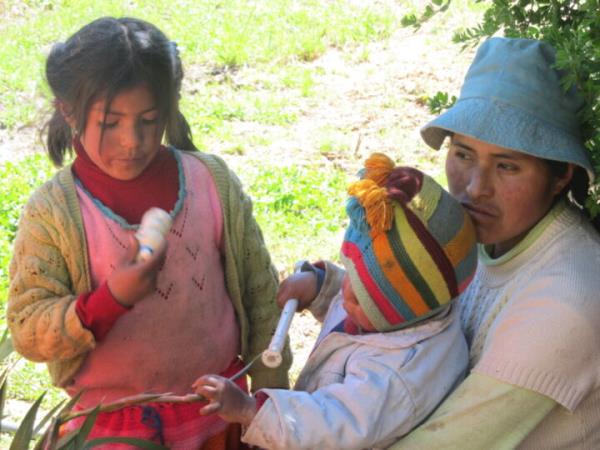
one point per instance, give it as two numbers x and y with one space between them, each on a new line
300 210
229 33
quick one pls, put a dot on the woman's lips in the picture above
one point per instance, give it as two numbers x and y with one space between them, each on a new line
481 213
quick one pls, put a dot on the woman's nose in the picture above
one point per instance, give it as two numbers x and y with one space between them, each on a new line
479 184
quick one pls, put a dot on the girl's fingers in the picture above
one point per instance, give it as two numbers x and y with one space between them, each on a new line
211 408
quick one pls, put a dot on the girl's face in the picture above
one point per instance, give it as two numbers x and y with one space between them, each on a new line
132 133
352 307
504 191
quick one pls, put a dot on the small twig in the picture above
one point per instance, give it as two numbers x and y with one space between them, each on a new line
166 397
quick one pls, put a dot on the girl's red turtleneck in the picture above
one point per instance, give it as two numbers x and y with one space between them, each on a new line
157 185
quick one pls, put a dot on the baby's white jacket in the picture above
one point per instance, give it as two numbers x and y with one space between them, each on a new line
363 391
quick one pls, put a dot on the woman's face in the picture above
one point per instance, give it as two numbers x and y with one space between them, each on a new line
132 133
504 191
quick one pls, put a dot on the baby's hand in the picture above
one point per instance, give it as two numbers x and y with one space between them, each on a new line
226 399
301 286
132 281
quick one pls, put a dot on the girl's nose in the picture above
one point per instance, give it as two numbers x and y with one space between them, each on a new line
130 137
479 184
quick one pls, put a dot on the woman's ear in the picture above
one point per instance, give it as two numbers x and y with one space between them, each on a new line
561 181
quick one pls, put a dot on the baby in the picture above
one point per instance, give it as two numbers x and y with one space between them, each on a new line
390 348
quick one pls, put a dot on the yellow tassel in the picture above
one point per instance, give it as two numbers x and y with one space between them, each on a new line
378 167
375 201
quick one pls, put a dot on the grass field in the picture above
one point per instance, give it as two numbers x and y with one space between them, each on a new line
256 73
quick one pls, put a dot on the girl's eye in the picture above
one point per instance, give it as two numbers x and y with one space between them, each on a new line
149 121
106 125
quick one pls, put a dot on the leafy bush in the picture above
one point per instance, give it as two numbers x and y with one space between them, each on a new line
571 26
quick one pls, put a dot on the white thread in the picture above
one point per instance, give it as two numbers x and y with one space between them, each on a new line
151 234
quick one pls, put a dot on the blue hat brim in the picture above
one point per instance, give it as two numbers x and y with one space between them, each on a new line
497 123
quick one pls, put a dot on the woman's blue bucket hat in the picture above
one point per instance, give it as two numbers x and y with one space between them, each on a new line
512 97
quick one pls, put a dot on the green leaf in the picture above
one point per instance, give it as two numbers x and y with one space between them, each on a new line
3 390
86 427
67 408
47 417
6 347
67 440
24 434
140 443
50 437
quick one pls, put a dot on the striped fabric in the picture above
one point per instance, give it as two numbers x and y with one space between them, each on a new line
410 246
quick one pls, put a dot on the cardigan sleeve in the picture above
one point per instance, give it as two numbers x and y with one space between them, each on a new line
261 282
251 278
41 310
481 413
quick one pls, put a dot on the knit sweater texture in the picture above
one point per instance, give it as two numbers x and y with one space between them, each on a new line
50 269
532 319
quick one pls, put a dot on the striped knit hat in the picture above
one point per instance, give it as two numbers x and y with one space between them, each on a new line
409 248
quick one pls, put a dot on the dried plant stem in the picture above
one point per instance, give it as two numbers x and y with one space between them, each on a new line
150 398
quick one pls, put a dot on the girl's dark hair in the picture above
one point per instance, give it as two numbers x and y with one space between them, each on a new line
578 188
100 60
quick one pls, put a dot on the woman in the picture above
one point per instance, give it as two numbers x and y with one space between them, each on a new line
532 314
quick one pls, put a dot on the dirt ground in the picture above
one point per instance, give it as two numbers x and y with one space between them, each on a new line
373 103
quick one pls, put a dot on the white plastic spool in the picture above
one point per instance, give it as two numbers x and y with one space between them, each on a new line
271 357
151 234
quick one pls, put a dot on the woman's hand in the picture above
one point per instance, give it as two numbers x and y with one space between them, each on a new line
131 281
226 399
301 286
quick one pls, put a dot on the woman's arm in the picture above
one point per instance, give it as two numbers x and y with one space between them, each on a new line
482 413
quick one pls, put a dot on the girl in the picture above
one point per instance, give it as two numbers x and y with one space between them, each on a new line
79 301
532 314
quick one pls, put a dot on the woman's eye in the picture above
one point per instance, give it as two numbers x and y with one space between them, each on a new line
461 154
508 167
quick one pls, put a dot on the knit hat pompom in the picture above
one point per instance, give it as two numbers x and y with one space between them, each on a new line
374 199
403 184
378 167
409 248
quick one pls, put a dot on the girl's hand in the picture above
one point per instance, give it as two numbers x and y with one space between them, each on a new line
131 281
226 399
301 286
